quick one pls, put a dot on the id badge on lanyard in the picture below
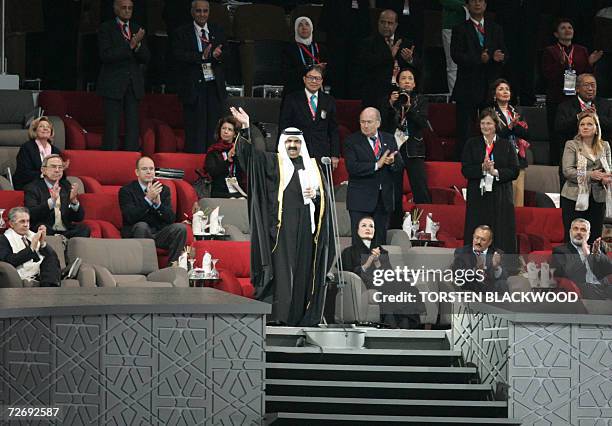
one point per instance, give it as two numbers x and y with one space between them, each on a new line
207 72
569 82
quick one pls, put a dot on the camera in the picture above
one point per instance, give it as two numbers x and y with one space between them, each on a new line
404 97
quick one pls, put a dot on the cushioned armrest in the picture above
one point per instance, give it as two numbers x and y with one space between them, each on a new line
5 184
174 275
235 233
91 185
87 276
355 298
398 237
103 277
9 278
59 132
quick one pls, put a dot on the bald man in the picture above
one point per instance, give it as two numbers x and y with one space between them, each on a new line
372 163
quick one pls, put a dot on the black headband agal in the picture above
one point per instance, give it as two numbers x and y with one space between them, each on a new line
292 132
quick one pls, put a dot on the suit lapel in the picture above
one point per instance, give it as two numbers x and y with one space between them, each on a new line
304 105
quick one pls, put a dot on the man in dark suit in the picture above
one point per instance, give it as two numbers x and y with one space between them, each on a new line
53 202
147 212
478 49
371 162
28 251
378 56
201 83
484 259
586 266
121 82
566 120
314 112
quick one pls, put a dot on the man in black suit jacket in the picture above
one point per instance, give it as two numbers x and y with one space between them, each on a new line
587 267
121 82
566 120
371 162
314 112
201 82
478 49
484 259
23 249
53 202
147 211
378 56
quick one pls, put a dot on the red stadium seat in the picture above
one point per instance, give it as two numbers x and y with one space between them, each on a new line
83 116
452 222
233 256
440 140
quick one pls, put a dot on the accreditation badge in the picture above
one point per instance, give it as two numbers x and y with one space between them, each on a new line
569 82
207 72
323 114
400 138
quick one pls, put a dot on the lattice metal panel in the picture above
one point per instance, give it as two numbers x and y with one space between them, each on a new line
136 369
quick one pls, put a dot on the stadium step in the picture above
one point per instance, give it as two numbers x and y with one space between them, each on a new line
398 377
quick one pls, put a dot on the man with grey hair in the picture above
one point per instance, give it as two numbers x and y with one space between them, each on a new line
28 251
588 267
372 166
54 202
586 99
198 52
123 49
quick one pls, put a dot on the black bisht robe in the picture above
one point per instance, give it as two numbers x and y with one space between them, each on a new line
295 300
495 208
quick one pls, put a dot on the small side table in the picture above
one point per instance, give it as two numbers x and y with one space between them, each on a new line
427 243
219 237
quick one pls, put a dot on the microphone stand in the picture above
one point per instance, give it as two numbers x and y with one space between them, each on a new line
331 200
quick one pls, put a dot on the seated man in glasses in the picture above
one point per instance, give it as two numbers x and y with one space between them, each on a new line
53 202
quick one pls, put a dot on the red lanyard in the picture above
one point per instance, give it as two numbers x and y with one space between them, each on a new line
479 27
313 55
489 149
570 57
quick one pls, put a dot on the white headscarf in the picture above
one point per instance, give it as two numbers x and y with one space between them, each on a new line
298 39
309 178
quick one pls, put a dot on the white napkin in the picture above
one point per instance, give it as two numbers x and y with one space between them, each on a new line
183 261
428 223
213 219
207 263
544 274
533 274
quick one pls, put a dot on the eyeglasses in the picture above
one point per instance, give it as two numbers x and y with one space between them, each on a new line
592 85
55 166
313 78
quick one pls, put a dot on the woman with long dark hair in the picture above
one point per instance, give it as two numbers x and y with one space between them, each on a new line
228 179
513 128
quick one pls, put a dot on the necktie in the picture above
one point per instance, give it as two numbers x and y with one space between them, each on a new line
58 225
125 29
376 143
26 241
480 33
204 39
480 261
313 106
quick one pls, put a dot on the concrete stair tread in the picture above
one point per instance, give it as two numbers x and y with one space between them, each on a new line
377 418
374 368
339 383
421 402
370 332
365 351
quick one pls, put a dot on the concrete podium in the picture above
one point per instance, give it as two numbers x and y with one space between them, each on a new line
555 365
155 356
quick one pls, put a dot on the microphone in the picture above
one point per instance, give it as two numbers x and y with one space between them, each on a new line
326 160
